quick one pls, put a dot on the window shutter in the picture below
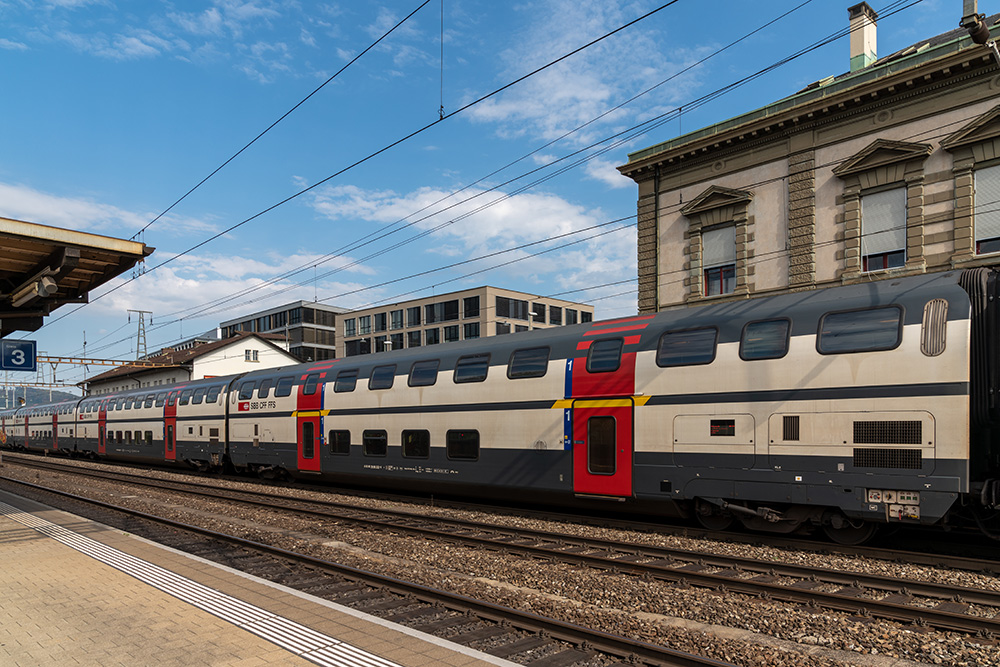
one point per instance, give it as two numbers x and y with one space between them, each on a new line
718 247
883 222
987 203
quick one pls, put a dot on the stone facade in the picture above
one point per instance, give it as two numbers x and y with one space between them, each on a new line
791 178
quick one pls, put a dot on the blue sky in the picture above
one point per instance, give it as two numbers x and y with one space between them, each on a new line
113 109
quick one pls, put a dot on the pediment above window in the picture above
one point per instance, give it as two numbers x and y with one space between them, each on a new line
983 128
880 153
716 197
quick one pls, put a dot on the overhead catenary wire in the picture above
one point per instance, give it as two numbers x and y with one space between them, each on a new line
621 138
687 106
281 118
373 155
394 227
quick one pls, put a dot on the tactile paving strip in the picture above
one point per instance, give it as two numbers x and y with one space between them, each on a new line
300 640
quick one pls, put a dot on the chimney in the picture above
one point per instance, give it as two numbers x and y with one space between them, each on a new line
863 48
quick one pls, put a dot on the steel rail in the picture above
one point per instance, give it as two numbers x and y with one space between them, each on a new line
561 630
850 603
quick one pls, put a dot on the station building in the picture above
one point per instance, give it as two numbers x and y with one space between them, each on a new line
889 169
194 360
445 318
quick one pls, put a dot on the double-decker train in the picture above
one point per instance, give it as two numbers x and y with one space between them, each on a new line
842 409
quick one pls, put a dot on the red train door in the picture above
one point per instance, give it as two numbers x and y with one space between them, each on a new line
308 421
55 430
170 427
602 447
102 423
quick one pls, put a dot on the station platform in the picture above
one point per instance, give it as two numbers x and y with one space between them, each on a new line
76 592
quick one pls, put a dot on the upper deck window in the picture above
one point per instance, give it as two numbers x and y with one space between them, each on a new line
531 362
284 386
382 377
246 390
604 356
472 368
687 348
860 330
765 340
424 373
309 387
346 381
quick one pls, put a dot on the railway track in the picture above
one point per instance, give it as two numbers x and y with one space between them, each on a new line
518 636
920 603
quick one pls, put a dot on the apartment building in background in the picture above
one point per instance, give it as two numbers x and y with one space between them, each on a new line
463 315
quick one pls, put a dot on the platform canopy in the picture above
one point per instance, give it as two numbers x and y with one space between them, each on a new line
42 268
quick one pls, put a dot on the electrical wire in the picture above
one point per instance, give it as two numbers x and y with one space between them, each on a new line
283 117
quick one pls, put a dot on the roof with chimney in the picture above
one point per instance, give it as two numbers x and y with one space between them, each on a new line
816 95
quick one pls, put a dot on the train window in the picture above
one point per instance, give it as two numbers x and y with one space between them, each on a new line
374 443
765 340
601 445
934 329
308 440
528 363
472 369
382 377
462 445
161 399
424 373
149 438
340 442
309 387
284 386
172 398
605 356
149 400
265 388
121 404
346 380
138 437
213 393
246 390
686 348
860 330
198 396
416 444
186 396
119 436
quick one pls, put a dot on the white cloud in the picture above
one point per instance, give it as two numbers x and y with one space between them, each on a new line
482 228
12 46
22 202
586 85
135 45
200 288
606 172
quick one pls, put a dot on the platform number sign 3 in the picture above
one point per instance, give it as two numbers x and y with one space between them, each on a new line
17 355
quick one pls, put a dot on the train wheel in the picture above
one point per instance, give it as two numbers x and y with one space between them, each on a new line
711 518
849 533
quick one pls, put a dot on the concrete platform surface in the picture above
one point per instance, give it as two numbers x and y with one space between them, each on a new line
75 592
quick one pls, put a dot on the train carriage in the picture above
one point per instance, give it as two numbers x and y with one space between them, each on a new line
841 408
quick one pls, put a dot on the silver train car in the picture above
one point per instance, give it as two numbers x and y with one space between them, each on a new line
840 409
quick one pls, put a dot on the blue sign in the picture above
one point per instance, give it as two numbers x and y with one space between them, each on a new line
17 355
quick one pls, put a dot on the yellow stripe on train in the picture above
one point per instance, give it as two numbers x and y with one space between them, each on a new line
566 403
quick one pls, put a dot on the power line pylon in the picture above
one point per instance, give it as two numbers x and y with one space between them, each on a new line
140 344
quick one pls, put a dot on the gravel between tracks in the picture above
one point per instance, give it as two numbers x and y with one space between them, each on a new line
732 627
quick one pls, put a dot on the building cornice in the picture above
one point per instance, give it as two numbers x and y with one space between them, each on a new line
884 86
